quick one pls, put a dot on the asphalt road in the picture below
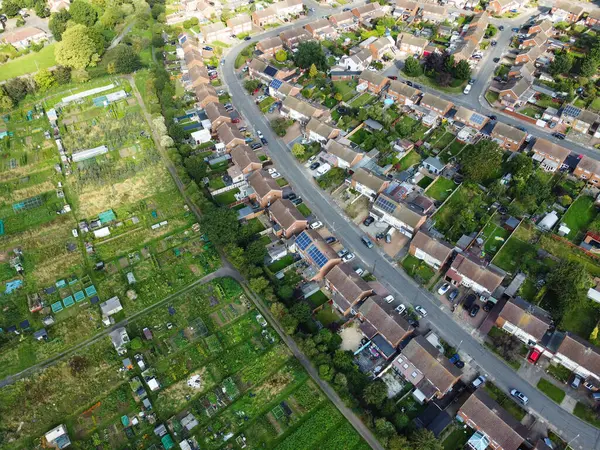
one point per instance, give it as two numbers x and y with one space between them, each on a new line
584 436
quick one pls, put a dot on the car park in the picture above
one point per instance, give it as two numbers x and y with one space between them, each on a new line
368 221
422 311
316 225
522 398
444 288
348 257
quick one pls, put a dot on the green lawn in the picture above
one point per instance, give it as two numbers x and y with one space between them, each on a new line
494 236
443 141
418 133
29 63
317 299
409 160
555 393
346 88
492 97
226 198
424 182
304 210
505 401
281 264
441 189
417 269
457 439
581 213
359 136
511 254
362 100
327 316
595 105
587 414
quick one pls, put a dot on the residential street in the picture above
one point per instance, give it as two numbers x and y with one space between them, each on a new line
584 436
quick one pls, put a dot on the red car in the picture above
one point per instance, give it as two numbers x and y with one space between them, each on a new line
534 356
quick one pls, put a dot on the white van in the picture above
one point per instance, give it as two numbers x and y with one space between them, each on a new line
322 170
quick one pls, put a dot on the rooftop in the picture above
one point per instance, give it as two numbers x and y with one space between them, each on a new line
285 213
381 316
263 183
529 318
439 250
479 274
347 282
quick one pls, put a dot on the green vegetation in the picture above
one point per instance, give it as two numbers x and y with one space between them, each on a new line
362 100
417 269
441 189
494 236
587 414
580 214
304 210
281 264
29 63
346 88
457 439
555 393
409 160
505 401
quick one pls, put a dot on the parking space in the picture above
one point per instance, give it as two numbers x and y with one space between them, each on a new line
464 302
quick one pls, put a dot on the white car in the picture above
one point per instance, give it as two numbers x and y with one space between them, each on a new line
311 159
272 170
259 134
323 169
372 69
348 257
444 288
316 225
479 381
519 396
400 308
275 175
421 310
359 271
467 89
389 298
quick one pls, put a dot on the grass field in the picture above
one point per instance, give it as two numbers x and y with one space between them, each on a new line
505 401
409 160
362 100
584 412
555 393
457 439
417 269
579 215
494 236
441 189
29 63
347 89
304 210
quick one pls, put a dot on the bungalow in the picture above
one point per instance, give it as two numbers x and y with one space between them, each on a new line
217 114
529 54
550 155
345 156
319 131
369 183
406 8
588 169
230 136
436 104
433 252
544 26
318 253
196 76
495 427
206 93
347 287
299 110
378 317
343 21
270 46
579 119
421 364
365 11
382 46
23 37
471 274
399 215
579 356
372 81
265 187
470 118
321 29
566 11
526 321
264 17
241 23
402 93
411 44
535 40
292 38
508 137
245 159
514 92
433 165
217 31
433 13
288 220
499 7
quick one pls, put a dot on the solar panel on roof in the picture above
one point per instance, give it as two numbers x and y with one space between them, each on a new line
276 84
319 258
303 240
385 205
477 119
271 71
572 111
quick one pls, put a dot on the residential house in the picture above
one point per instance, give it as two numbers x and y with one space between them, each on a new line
110 307
406 8
535 40
588 169
550 155
257 69
433 13
372 81
399 215
340 74
366 11
270 46
433 252
464 51
529 54
347 287
411 44
217 31
244 161
267 16
378 317
543 26
495 427
321 29
205 10
477 28
526 71
196 76
230 136
241 23
369 183
402 93
119 339
499 7
282 89
299 110
566 11
23 37
345 157
508 137
265 187
433 165
217 114
436 104
470 118
515 92
192 57
471 274
288 8
57 437
318 253
343 21
206 93
422 365
593 19
288 220
382 46
527 322
579 119
319 131
358 61
579 356
292 38
56 5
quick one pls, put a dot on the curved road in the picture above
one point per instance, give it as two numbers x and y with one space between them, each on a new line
581 434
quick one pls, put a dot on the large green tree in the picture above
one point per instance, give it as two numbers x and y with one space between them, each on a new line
77 48
310 53
424 439
569 281
481 161
412 67
375 393
44 79
562 63
58 23
124 59
83 13
10 8
462 71
221 225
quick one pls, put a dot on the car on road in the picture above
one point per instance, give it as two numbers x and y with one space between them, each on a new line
493 117
331 240
314 165
422 311
368 221
389 298
501 28
515 30
348 257
346 9
264 141
316 225
559 136
467 89
365 240
494 43
400 308
472 81
452 295
519 396
247 38
444 288
392 77
474 310
496 60
478 382
408 83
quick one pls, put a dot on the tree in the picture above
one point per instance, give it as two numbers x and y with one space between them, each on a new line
326 372
434 62
340 380
6 103
462 71
80 75
251 85
563 62
255 252
77 49
520 166
280 126
412 67
62 75
298 150
404 128
83 13
41 10
491 31
44 79
10 8
58 23
589 66
424 439
569 281
259 284
285 292
310 53
313 72
375 393
399 442
384 428
124 58
281 55
220 225
302 312
444 78
17 89
480 161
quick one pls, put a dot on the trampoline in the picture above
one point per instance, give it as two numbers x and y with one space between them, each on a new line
68 301
56 307
79 296
90 290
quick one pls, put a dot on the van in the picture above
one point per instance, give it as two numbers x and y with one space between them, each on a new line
367 241
576 382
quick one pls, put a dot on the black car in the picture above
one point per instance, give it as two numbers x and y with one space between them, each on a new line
471 298
264 141
368 221
496 60
460 364
314 165
409 83
501 27
256 146
211 68
492 117
493 43
297 201
413 322
379 236
522 128
474 310
488 306
291 196
559 136
331 240
247 38
417 86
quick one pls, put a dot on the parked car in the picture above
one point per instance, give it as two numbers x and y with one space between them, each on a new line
291 196
515 30
494 43
343 252
316 225
359 271
331 240
534 356
478 382
413 322
247 38
496 60
454 358
474 310
314 165
400 308
488 306
389 298
271 170
493 117
576 382
259 133
519 396
467 89
264 141
392 77
501 28
559 136
452 295
469 301
256 146
275 175
348 257
297 201
422 311
367 241
444 288
368 221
